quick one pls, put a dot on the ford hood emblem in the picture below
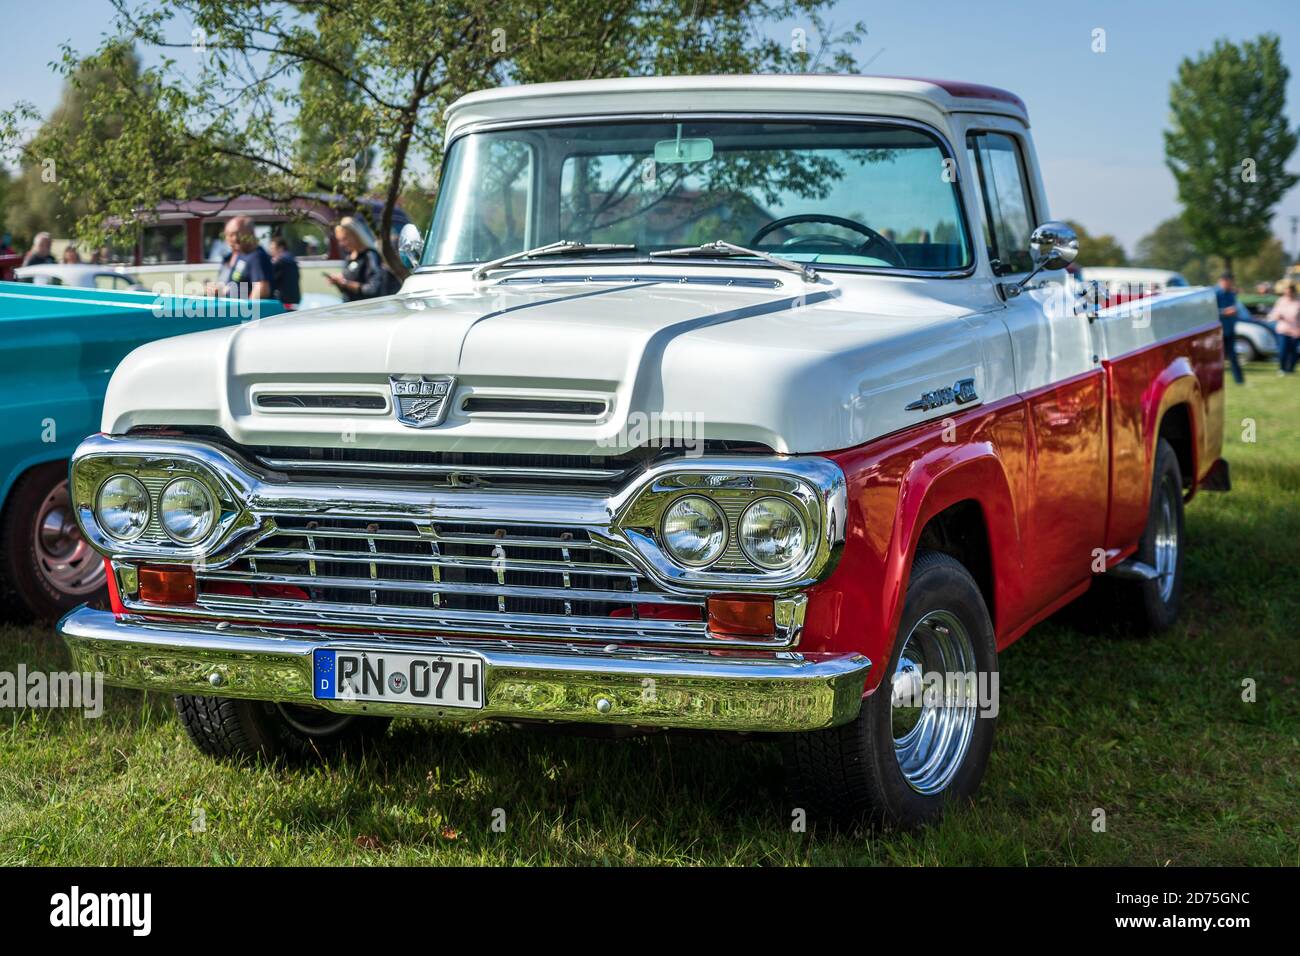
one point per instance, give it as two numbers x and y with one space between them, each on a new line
421 401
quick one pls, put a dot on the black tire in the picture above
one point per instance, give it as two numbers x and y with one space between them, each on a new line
1150 606
33 583
851 773
226 728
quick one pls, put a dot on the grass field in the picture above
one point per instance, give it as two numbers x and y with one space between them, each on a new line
1154 732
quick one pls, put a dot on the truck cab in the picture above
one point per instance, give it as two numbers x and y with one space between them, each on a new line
752 404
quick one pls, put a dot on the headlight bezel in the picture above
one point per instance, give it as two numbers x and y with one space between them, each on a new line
155 473
814 486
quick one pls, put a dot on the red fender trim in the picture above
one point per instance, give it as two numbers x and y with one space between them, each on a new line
896 486
1175 385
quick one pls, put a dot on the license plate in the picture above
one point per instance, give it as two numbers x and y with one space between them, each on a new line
438 680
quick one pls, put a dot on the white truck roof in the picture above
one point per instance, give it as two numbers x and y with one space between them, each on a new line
920 99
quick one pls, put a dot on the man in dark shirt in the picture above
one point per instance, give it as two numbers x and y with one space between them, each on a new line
246 272
285 284
1230 311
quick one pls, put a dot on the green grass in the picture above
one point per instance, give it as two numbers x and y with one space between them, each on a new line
1155 732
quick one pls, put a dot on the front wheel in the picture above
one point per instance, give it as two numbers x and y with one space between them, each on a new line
228 728
922 739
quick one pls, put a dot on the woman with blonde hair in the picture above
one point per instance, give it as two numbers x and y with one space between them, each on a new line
363 275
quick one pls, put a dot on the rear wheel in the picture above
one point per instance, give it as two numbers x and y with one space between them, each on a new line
1153 605
228 728
46 567
923 737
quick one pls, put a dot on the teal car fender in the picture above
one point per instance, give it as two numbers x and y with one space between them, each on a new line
58 349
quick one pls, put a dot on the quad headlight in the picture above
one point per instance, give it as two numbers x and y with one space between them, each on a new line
156 500
740 523
694 531
186 511
773 534
122 507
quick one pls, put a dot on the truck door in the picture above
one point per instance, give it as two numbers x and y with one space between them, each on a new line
1059 376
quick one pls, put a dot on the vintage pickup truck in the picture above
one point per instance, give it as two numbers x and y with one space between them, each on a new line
751 404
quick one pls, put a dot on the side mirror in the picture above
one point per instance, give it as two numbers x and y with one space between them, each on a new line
1053 245
410 244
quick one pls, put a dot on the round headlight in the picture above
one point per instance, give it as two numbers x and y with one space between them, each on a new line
186 510
694 530
122 507
772 533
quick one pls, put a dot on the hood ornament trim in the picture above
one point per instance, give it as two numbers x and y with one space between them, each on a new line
421 401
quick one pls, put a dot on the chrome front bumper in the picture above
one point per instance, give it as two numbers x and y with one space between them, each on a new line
741 691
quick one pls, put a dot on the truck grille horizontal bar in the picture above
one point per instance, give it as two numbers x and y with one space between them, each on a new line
449 577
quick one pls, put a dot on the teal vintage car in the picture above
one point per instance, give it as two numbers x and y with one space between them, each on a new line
58 348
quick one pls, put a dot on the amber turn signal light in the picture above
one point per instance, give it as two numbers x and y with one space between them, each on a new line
167 585
742 616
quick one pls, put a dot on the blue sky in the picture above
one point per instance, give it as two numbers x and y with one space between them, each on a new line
1097 117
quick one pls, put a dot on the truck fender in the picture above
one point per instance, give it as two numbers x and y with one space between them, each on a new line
1176 384
942 476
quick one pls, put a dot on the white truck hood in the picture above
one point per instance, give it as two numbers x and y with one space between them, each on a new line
797 367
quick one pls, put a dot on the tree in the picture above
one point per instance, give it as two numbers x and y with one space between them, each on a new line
38 203
221 113
1103 250
1229 144
1169 246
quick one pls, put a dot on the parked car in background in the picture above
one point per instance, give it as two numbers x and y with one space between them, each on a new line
711 406
1256 338
1132 282
83 276
59 346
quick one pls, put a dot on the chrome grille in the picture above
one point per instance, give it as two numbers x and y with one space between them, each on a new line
462 578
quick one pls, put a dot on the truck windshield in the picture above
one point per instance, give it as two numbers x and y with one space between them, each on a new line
831 193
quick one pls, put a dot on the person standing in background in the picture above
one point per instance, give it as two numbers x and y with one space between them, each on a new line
363 275
1286 313
39 254
246 272
70 256
285 283
1229 311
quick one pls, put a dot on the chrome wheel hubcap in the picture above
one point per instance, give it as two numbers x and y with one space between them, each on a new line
63 557
933 701
1166 539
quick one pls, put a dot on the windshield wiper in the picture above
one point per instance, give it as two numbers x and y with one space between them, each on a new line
550 249
720 248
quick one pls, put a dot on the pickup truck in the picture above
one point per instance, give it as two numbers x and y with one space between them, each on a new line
748 404
58 347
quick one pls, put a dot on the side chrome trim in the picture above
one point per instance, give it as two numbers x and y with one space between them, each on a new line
742 691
